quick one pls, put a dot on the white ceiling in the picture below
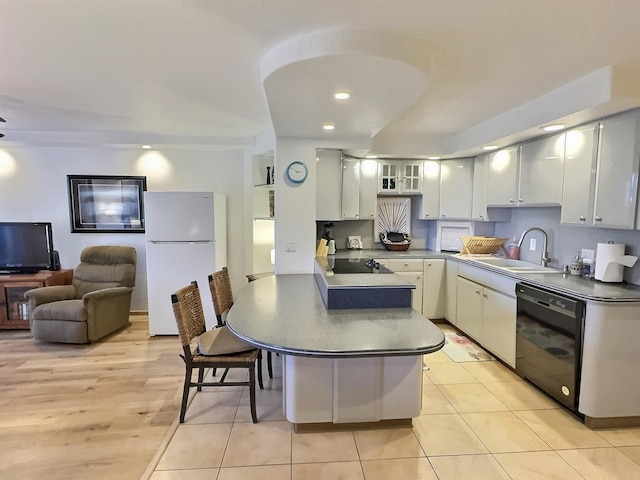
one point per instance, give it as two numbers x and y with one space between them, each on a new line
426 76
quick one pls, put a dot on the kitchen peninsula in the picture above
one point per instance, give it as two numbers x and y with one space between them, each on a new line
341 366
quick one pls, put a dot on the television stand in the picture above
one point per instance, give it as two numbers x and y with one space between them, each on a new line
14 308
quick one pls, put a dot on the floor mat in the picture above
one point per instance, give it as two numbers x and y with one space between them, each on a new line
460 349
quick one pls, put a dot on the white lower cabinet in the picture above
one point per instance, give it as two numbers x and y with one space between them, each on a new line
469 308
498 332
416 294
411 270
487 311
433 291
451 291
428 276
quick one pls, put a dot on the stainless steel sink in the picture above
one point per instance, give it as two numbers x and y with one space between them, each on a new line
512 265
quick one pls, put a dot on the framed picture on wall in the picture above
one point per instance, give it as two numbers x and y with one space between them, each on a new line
106 204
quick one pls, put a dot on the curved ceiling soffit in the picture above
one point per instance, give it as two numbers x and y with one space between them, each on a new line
409 57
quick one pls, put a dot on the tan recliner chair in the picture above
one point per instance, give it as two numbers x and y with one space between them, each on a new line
94 305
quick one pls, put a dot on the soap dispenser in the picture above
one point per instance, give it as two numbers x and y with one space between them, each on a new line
576 265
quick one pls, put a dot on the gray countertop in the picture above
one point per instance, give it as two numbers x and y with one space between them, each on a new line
587 289
286 314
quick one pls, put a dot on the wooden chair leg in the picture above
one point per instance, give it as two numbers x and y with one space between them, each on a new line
269 365
200 379
259 362
185 394
252 393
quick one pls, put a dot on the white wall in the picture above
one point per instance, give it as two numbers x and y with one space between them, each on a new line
33 187
295 209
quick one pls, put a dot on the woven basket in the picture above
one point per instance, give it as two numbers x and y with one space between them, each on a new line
482 245
396 247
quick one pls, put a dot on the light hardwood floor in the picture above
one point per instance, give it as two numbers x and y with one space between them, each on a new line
97 411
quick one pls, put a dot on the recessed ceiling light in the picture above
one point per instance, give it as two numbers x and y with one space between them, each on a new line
146 147
490 147
328 126
433 157
341 95
554 128
371 156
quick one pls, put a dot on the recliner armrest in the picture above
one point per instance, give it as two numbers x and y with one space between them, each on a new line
104 293
38 296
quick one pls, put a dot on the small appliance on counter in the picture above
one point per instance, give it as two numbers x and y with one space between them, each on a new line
610 259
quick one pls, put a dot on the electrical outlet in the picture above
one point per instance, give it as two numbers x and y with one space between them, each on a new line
532 244
291 246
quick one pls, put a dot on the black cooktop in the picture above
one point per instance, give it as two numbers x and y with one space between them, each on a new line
347 265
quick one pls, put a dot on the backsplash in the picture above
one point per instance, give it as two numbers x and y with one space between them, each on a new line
564 240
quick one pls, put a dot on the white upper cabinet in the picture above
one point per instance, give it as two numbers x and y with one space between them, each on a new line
479 210
328 185
346 188
456 184
616 188
581 149
502 177
601 173
368 189
399 177
541 171
430 206
350 188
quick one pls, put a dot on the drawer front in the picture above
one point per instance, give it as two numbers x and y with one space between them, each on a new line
403 265
495 281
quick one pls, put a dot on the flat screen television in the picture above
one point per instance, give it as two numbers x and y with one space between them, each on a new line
26 247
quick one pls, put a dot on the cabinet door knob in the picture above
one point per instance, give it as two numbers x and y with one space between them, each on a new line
485 295
406 263
521 200
511 200
582 218
426 214
598 218
478 292
371 214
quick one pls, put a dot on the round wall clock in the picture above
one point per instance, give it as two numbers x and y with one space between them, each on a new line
297 172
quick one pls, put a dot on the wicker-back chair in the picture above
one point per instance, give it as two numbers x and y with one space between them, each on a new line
220 287
217 348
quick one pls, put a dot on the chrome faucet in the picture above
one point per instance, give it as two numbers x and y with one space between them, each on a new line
545 253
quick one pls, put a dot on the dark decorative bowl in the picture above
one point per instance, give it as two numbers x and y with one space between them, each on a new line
397 247
396 242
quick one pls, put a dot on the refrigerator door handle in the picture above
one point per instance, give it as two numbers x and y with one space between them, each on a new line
174 242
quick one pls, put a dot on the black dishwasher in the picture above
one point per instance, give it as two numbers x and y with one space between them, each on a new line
549 342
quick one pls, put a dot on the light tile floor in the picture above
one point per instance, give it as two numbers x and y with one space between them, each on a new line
479 421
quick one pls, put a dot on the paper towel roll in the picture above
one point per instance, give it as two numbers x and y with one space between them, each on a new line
610 260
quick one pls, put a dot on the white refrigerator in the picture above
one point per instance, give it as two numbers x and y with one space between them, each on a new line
186 240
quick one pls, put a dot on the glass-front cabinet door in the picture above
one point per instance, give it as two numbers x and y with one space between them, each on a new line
388 177
411 176
14 307
399 176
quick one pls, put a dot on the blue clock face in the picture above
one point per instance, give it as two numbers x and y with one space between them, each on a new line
297 172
